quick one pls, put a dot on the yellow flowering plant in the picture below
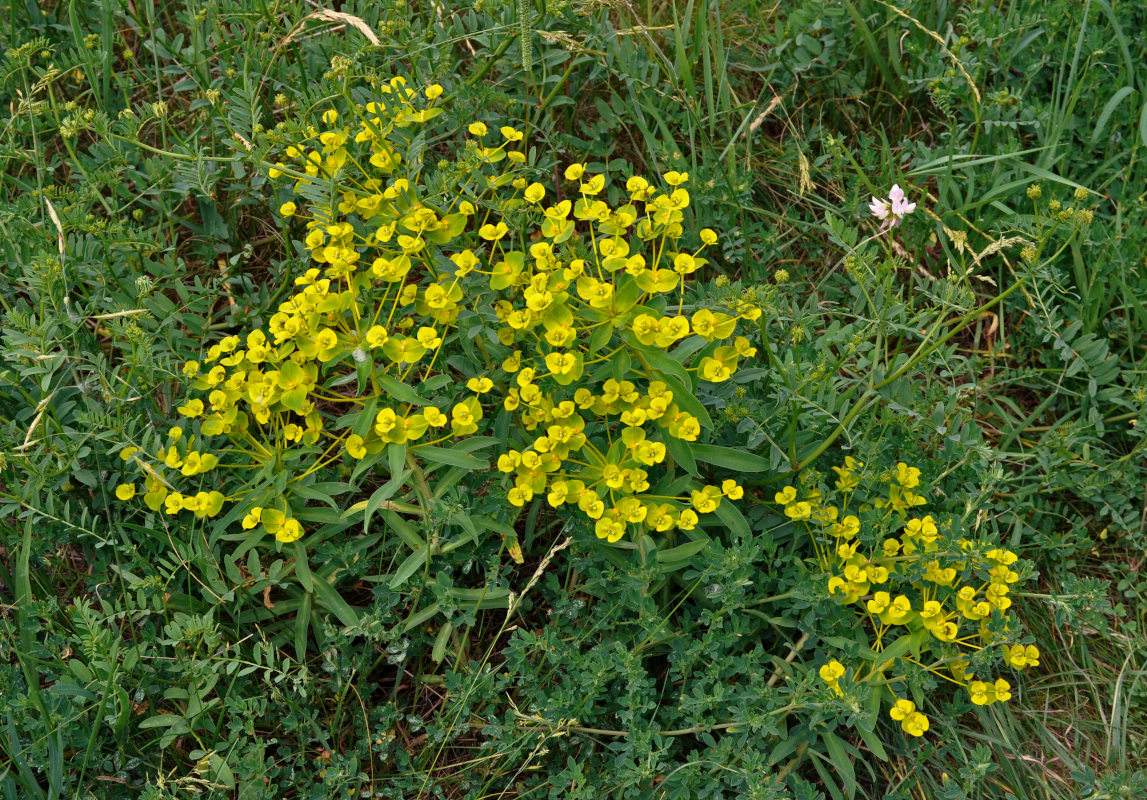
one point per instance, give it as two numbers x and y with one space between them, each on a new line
446 314
928 599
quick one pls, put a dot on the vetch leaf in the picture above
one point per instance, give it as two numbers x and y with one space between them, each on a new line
164 721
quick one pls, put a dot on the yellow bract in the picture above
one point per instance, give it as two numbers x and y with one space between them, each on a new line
911 576
911 721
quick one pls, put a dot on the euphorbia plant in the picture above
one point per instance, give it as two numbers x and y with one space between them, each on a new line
437 310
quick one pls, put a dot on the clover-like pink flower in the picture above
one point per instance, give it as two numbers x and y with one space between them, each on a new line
893 210
879 208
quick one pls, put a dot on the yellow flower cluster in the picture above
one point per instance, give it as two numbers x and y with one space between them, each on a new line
911 721
907 575
583 315
187 462
831 673
600 433
565 310
984 693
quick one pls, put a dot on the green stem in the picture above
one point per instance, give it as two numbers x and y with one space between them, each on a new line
776 598
420 484
921 353
721 726
489 62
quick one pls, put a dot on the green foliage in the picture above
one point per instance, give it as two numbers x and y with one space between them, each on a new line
994 340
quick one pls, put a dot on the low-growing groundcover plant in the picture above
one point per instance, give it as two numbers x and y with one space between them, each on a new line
394 438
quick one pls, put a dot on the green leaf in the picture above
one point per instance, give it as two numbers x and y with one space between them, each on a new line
302 623
872 707
1047 175
414 562
469 445
682 455
481 599
734 520
404 529
364 419
685 400
124 704
419 617
873 742
898 648
320 515
828 780
1108 110
494 525
659 360
334 603
599 338
688 346
903 645
467 524
436 382
381 494
440 642
396 457
677 556
445 481
450 457
302 568
72 690
399 390
838 755
310 493
223 772
729 458
646 547
876 55
232 570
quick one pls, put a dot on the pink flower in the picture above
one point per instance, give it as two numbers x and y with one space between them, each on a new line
879 208
900 205
892 211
